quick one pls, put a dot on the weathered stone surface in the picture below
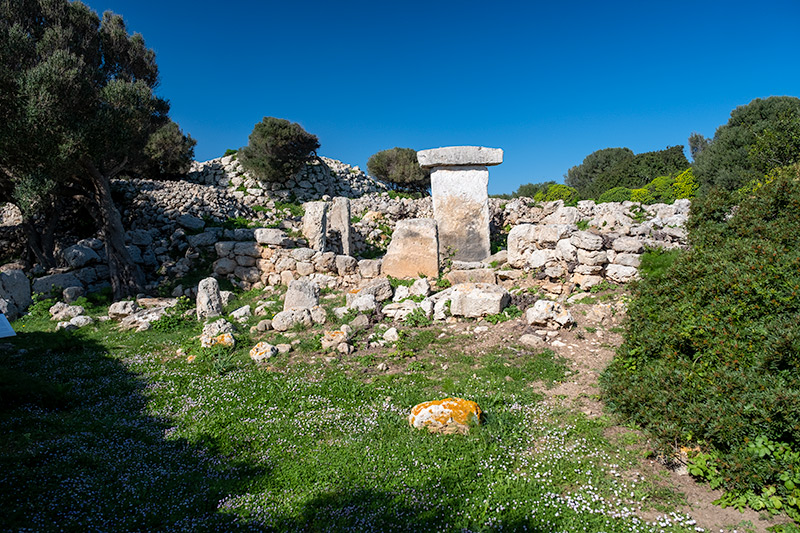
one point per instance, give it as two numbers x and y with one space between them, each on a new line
78 256
224 339
248 274
364 303
621 273
481 275
242 314
475 300
448 416
287 319
190 222
251 249
315 224
81 321
594 258
218 327
460 156
399 310
413 250
532 341
548 313
119 310
62 311
225 266
263 351
301 294
141 320
15 289
209 301
272 236
421 287
629 245
369 268
71 294
381 289
338 236
461 210
60 281
631 260
346 265
586 240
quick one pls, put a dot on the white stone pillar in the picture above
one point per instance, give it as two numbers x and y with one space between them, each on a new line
459 185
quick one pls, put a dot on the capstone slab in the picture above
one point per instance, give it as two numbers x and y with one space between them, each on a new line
460 156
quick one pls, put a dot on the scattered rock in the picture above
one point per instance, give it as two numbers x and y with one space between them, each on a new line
548 313
448 416
263 351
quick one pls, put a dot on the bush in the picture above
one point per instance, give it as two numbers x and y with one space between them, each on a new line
643 196
561 192
277 150
169 151
685 185
617 194
712 352
400 168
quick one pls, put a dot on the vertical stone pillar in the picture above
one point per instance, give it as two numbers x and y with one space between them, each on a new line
315 224
459 185
338 236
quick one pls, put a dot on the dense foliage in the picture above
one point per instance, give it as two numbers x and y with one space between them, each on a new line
663 189
712 353
277 149
758 137
77 108
400 168
606 169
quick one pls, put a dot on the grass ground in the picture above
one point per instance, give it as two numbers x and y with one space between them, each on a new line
108 431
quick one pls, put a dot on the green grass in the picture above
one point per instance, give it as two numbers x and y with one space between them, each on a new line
102 430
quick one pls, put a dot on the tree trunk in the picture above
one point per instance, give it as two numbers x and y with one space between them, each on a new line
42 244
127 279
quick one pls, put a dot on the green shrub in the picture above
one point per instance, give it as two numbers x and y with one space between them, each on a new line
230 151
712 352
661 189
277 149
400 168
558 191
643 196
617 194
175 317
685 185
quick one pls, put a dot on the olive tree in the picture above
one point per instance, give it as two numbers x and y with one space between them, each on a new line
400 168
77 108
277 149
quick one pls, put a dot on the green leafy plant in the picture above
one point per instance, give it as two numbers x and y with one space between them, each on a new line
509 313
277 149
175 317
417 319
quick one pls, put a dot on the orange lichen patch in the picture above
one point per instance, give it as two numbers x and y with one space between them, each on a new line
451 415
226 339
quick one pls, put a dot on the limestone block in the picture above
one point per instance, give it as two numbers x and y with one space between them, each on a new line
563 215
590 270
540 258
249 248
338 235
245 260
209 301
286 319
369 268
399 310
521 242
326 262
285 263
586 240
566 251
475 300
548 313
60 281
304 268
301 294
224 248
365 303
413 250
346 265
461 210
263 351
631 260
303 254
381 289
119 310
628 245
272 236
460 156
448 416
287 276
548 235
421 287
586 281
224 266
14 286
482 275
621 273
592 258
315 224
190 222
78 256
248 274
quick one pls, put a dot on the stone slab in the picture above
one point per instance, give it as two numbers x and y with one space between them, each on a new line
460 156
413 250
461 209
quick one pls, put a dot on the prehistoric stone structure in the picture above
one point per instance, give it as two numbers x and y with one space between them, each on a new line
413 250
459 185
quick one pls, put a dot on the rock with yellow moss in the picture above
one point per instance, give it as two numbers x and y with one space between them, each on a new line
448 416
224 339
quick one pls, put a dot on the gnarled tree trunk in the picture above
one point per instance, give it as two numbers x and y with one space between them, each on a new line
127 279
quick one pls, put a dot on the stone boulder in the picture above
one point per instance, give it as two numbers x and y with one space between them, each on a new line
474 300
263 351
414 249
448 416
119 310
272 236
78 256
548 313
287 319
15 293
381 289
46 284
301 294
209 300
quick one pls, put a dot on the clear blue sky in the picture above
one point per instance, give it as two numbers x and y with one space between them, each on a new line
548 82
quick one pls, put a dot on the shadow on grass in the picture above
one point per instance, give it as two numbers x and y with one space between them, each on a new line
78 451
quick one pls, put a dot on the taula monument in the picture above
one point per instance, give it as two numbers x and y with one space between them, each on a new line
459 186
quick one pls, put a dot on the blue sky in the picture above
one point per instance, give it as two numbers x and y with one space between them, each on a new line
548 82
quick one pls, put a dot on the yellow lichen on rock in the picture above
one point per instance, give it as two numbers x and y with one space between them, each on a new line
225 339
448 416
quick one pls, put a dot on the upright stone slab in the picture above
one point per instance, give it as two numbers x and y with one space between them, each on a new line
413 250
315 224
338 236
459 185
